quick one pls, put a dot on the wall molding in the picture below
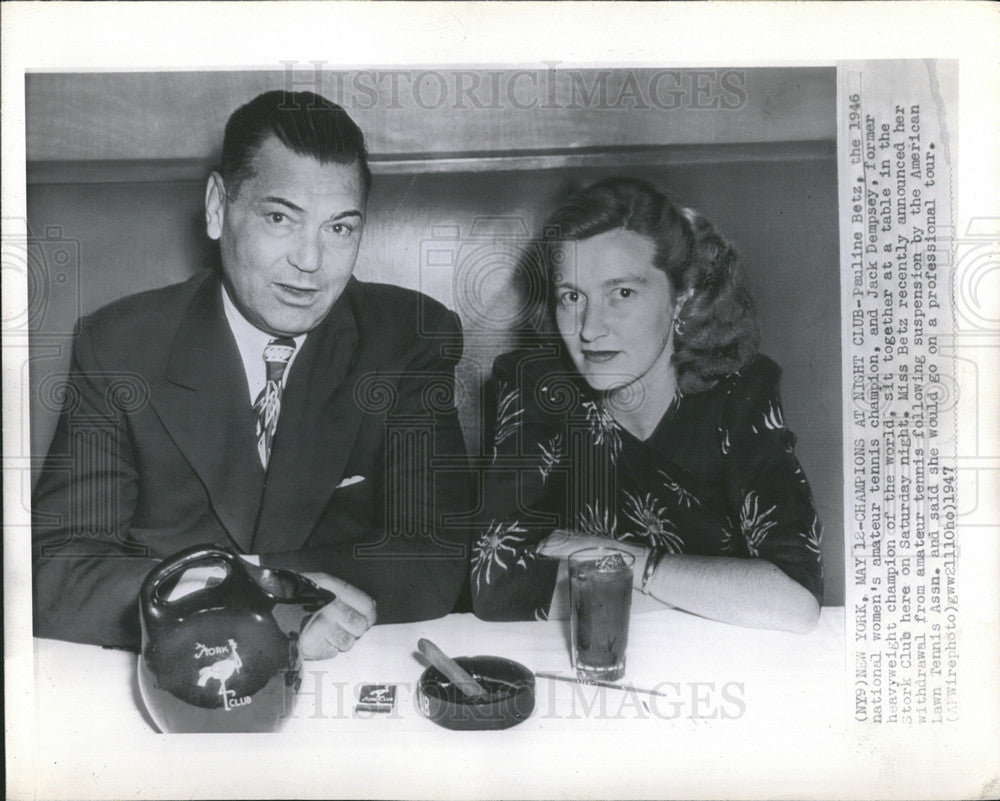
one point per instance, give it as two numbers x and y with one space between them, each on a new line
195 170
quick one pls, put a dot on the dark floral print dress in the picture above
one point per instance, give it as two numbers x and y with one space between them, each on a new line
717 477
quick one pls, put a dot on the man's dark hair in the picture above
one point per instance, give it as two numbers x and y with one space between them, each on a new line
306 123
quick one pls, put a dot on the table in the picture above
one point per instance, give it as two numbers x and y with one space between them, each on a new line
735 682
707 670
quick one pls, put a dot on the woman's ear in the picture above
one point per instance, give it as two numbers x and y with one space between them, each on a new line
678 323
682 299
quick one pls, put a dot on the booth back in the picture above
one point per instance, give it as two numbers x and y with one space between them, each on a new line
456 236
116 164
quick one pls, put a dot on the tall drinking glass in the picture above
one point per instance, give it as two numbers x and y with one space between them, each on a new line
600 581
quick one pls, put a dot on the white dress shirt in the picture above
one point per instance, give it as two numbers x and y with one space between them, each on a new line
251 341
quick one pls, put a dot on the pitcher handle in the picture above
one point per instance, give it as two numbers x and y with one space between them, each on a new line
155 606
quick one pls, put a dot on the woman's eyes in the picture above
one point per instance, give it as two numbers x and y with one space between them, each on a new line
571 297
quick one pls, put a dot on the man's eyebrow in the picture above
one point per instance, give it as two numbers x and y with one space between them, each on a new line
628 279
288 204
281 202
348 213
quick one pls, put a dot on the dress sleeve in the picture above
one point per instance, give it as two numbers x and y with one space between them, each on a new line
520 490
768 495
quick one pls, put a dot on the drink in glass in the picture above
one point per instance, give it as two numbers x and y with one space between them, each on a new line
601 601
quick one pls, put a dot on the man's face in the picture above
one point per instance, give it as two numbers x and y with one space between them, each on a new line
290 237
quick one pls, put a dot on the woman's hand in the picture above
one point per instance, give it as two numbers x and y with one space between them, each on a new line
561 543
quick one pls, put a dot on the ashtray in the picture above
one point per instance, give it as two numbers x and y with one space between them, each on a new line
510 695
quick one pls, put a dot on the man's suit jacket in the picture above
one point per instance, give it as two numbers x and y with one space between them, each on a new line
155 450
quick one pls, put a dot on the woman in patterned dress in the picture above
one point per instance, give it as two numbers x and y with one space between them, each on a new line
651 420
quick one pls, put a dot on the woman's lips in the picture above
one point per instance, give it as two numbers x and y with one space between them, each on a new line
599 356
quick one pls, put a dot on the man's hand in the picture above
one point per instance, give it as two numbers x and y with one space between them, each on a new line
336 626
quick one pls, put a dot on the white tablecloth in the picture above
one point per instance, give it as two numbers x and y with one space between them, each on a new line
742 685
705 670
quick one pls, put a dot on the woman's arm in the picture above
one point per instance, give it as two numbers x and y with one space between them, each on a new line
781 584
771 575
744 592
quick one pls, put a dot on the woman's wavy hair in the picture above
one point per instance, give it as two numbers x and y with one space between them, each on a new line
716 330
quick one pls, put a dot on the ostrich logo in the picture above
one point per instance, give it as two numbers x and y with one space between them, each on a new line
222 670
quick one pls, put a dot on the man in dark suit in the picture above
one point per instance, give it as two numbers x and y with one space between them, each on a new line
278 407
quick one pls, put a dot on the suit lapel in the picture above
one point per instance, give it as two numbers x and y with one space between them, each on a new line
317 428
204 405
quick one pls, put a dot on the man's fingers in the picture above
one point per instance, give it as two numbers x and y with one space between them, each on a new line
351 620
360 601
323 642
324 638
339 639
333 629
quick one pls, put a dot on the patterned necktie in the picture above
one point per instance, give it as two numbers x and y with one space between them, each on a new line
267 407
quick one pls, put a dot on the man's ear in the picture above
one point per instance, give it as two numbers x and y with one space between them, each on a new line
215 205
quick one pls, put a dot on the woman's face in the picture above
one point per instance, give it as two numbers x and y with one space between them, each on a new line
614 309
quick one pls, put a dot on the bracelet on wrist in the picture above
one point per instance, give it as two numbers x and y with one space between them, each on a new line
652 561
